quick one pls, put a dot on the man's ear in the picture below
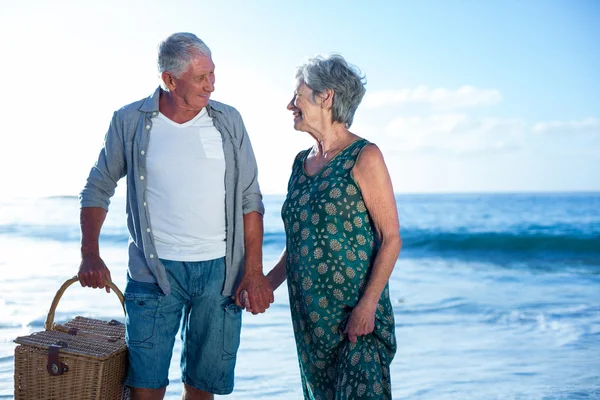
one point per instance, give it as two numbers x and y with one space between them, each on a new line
169 80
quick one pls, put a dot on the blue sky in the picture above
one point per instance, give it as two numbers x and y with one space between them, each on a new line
462 96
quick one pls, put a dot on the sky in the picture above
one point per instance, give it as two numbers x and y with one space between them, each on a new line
462 96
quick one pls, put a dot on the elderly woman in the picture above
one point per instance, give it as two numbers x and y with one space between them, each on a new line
342 241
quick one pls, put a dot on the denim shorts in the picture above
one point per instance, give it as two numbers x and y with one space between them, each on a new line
210 328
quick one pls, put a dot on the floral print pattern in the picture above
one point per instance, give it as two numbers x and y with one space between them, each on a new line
330 249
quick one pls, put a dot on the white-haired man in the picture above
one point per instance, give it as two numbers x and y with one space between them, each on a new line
194 213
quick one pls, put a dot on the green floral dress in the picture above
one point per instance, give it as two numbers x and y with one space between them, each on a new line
330 250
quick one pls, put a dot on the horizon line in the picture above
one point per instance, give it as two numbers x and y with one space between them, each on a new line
408 193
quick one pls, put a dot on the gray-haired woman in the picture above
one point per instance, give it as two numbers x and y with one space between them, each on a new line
342 243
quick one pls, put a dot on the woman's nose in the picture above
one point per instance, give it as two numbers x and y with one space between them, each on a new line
292 103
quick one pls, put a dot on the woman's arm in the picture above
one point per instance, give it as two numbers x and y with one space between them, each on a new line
371 175
277 275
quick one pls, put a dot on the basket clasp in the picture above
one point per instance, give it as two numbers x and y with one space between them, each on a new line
54 366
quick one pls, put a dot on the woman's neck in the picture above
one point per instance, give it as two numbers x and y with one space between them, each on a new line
333 139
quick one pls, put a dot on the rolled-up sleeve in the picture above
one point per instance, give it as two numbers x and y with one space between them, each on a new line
106 172
251 196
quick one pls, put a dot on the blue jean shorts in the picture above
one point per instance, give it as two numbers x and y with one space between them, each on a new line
210 328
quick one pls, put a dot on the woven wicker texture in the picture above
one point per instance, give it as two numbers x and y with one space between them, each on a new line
89 343
94 354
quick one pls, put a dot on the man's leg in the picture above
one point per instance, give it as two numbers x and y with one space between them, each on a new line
210 335
190 393
147 394
153 320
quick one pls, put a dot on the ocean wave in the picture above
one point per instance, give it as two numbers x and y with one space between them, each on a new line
421 241
504 242
558 242
61 233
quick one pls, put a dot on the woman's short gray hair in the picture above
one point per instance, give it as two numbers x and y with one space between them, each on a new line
177 51
345 80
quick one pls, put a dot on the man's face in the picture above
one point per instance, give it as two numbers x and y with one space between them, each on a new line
193 88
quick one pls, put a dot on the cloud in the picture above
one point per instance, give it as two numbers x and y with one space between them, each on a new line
440 98
587 125
460 134
452 134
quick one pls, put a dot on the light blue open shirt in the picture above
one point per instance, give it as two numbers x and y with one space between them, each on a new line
124 153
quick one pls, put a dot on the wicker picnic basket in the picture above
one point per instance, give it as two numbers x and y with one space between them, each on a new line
80 360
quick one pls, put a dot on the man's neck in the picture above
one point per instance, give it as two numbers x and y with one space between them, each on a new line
169 109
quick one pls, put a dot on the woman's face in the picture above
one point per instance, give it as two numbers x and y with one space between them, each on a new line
305 109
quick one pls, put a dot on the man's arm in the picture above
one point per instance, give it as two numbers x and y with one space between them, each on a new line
253 240
108 169
95 199
251 195
254 282
92 270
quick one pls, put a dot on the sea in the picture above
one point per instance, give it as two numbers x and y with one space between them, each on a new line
496 296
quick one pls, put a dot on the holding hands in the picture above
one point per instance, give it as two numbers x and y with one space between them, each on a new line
254 293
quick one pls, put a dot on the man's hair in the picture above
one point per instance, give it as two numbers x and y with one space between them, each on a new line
177 51
335 73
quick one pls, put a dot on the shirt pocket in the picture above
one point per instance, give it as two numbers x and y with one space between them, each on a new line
213 147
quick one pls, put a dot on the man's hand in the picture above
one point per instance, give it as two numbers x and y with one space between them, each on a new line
254 293
93 272
360 323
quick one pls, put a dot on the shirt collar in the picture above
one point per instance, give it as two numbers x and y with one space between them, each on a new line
150 104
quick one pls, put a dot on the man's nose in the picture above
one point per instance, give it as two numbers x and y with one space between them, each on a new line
210 85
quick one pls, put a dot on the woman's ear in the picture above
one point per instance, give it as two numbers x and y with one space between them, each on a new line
327 98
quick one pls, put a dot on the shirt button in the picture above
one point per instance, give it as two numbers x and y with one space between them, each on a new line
143 152
144 204
154 113
147 126
147 229
151 255
142 177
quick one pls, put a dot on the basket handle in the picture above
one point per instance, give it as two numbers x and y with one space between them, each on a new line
50 319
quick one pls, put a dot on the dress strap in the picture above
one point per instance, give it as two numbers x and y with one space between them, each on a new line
352 152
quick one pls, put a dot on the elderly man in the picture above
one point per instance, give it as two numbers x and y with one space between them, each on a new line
194 213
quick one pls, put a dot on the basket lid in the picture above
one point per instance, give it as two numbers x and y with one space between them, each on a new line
82 336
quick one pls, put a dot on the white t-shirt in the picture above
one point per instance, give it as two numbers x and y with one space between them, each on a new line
186 189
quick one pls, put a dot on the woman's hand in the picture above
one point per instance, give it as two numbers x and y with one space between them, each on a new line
245 300
361 322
